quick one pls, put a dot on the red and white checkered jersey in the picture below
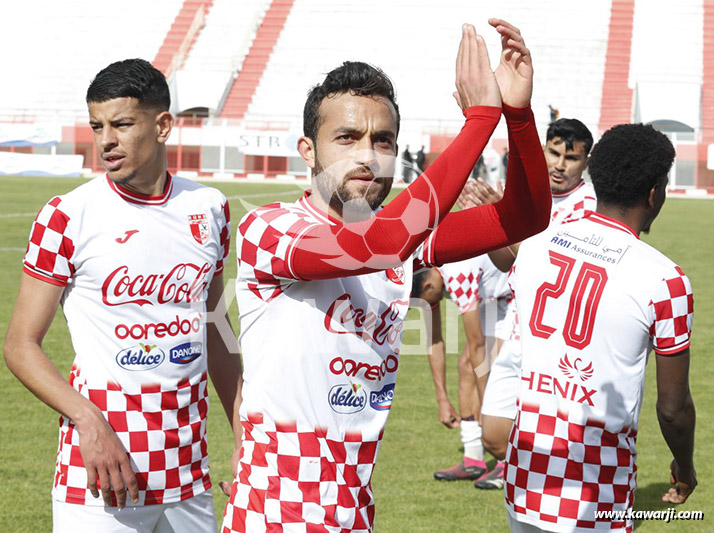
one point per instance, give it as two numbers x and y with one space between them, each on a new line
592 300
573 204
136 272
461 282
320 366
474 279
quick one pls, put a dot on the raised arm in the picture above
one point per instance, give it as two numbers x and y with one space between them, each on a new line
525 207
103 454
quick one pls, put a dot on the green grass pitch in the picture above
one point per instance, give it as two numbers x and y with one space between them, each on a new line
415 443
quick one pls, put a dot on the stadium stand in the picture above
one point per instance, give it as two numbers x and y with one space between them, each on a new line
180 38
241 69
414 43
218 53
58 48
248 77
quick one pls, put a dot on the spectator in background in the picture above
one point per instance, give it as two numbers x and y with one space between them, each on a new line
554 113
420 159
407 165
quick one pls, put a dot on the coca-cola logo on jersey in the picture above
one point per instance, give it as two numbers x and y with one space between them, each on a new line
185 282
380 327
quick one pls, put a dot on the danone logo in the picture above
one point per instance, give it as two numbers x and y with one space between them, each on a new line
185 353
142 357
347 398
382 400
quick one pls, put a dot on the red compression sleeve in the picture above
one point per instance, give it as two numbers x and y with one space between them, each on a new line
524 209
391 236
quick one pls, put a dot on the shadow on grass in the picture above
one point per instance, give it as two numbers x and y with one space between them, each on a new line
649 498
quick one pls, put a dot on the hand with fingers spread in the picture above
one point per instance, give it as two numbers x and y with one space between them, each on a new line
685 483
475 81
515 70
106 461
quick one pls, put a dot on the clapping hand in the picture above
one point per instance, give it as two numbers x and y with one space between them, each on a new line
515 70
475 81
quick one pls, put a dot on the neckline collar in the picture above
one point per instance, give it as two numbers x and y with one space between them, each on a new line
143 199
599 218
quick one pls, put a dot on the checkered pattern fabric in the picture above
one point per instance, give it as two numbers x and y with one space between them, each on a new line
224 238
573 205
672 311
562 471
299 479
50 249
461 282
171 461
266 239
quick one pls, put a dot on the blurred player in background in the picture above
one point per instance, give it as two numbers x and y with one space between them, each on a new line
333 272
462 285
593 301
568 143
482 294
135 257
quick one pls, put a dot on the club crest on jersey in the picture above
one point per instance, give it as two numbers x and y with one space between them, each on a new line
576 368
200 229
396 275
142 357
347 398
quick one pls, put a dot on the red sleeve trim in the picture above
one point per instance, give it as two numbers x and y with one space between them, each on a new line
43 277
672 352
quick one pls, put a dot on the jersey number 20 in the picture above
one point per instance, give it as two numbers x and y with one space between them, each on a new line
584 301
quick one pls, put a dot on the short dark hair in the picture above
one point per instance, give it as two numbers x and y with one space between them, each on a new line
571 130
627 162
354 77
418 280
131 78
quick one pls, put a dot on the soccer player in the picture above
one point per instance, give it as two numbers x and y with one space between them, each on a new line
333 272
475 285
568 143
135 257
593 301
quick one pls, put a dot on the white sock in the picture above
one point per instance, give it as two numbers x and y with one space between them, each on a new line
471 439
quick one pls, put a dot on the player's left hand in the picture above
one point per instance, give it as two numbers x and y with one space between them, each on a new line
515 71
684 484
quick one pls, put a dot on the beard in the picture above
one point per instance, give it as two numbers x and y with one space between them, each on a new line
353 202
